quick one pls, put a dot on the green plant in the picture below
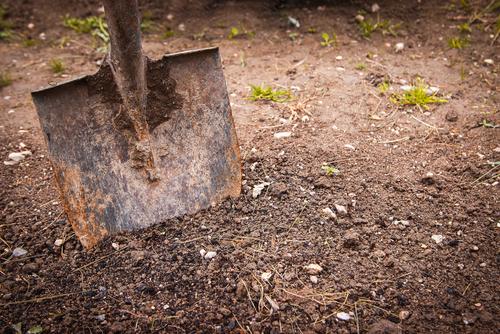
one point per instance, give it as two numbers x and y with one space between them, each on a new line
327 40
465 4
293 36
458 42
463 73
330 170
57 66
418 95
360 66
234 32
383 87
5 25
269 94
367 27
464 28
168 33
147 23
312 30
488 124
28 42
5 79
93 25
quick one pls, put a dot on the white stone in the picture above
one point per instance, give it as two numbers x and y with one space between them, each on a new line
313 268
489 61
266 276
399 47
438 238
210 255
314 279
279 135
59 242
343 316
257 189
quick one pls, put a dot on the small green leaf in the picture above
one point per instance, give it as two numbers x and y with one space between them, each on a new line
35 330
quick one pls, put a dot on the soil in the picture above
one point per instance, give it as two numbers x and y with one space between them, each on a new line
407 176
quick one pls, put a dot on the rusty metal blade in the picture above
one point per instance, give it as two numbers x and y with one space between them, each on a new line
193 139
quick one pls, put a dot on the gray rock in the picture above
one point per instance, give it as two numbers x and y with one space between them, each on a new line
19 252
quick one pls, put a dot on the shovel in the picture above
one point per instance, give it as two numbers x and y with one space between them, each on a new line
140 141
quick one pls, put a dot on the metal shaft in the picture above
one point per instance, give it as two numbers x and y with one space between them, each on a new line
128 65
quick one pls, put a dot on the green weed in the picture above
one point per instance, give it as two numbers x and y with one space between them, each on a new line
458 42
383 87
463 73
327 40
57 66
312 30
147 23
488 124
417 96
235 32
269 94
360 66
168 33
464 28
5 25
368 27
28 42
5 79
330 170
293 36
465 4
93 25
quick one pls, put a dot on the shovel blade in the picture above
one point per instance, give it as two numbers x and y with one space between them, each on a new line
192 136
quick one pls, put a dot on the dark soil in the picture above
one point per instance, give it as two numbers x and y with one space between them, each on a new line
406 175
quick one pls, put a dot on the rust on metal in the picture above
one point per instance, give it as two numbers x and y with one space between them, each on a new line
191 131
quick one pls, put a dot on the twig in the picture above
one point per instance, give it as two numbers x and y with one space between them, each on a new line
39 299
426 124
484 175
394 141
99 259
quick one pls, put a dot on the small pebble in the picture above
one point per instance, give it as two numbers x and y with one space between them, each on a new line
343 316
19 252
314 279
341 210
280 135
438 238
210 255
474 248
58 242
489 61
313 268
399 47
375 8
403 315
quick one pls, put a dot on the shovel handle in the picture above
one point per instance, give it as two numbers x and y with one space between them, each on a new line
126 58
128 65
